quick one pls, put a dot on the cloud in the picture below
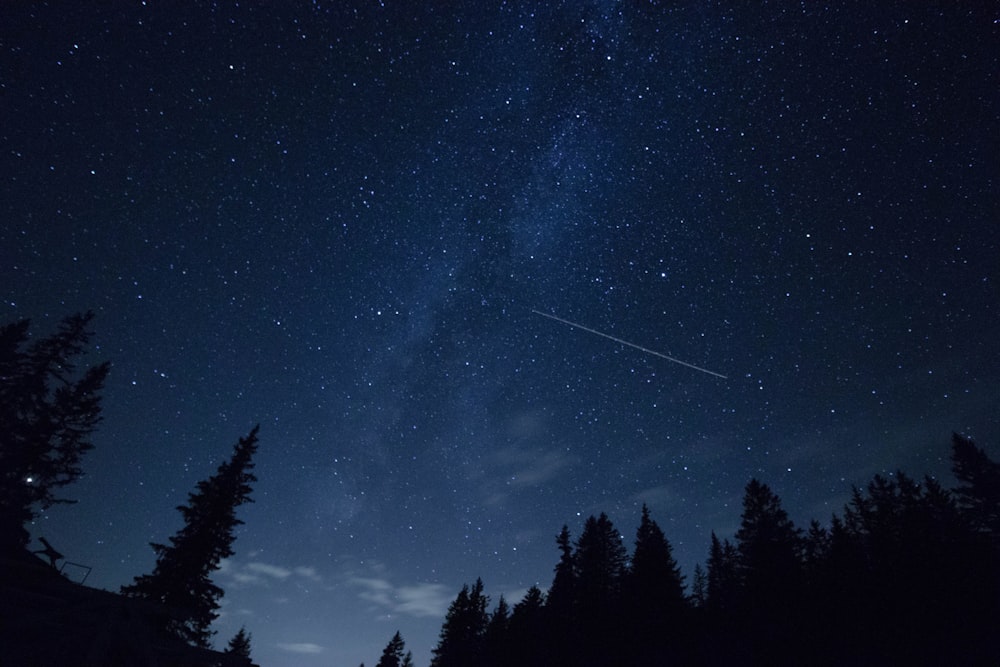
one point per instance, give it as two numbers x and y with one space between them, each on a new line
522 468
531 466
269 570
258 573
421 600
308 573
304 647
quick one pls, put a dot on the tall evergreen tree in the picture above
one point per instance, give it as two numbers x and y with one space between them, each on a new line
181 579
769 547
394 654
767 540
461 640
562 593
48 412
655 580
601 561
723 577
699 587
979 491
495 638
239 645
529 635
654 601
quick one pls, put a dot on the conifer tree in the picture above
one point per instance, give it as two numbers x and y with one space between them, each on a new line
699 587
563 590
47 413
461 640
394 654
723 579
239 645
528 635
496 636
600 561
979 492
181 579
768 543
769 547
654 596
655 580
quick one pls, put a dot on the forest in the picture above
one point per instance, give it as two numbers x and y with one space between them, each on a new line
908 573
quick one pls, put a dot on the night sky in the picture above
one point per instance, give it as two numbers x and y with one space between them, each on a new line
338 222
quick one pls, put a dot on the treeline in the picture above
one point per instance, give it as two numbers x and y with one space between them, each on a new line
49 409
909 573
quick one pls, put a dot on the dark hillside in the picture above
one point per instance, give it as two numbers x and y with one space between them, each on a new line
47 620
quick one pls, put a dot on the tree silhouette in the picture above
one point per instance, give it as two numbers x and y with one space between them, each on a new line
561 601
562 593
395 653
47 413
723 577
181 578
529 635
908 575
654 602
600 560
239 645
979 493
769 548
461 640
699 587
655 580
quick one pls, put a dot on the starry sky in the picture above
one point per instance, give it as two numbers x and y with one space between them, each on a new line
338 219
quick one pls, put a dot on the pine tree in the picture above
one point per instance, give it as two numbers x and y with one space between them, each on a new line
529 634
495 637
654 597
181 580
979 492
655 581
768 543
562 593
394 654
699 587
723 578
239 645
769 547
461 640
600 561
47 413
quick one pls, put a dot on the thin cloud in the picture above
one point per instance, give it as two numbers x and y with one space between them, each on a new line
420 600
269 570
304 647
423 600
258 573
531 467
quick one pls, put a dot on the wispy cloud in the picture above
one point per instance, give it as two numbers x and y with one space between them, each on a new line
269 570
421 600
523 468
303 647
260 574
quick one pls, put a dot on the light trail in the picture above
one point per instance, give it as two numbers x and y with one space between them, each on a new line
625 342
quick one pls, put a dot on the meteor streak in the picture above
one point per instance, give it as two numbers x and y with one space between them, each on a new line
625 342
